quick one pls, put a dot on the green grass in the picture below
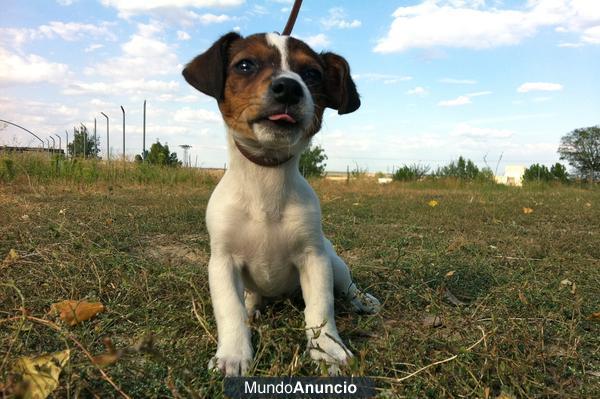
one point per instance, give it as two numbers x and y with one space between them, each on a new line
140 247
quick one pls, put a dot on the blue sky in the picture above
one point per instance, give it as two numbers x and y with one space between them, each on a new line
486 79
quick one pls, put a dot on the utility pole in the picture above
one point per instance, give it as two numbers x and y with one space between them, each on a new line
67 145
107 138
123 109
84 140
144 135
95 142
59 142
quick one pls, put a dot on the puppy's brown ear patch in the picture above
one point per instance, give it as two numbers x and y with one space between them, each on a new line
207 71
339 86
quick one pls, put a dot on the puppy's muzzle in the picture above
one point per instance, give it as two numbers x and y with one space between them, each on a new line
286 91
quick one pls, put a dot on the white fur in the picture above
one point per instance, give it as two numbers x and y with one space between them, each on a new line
280 42
266 240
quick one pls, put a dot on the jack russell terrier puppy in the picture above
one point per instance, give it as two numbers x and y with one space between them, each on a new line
264 220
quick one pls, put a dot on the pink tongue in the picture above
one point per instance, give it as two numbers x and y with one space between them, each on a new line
282 117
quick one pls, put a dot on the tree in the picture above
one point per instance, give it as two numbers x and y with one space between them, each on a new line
581 148
160 155
83 142
538 172
312 162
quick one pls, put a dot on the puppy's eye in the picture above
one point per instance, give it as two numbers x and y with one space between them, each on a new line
311 75
246 66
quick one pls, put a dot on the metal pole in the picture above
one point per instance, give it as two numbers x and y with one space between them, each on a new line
67 145
107 138
95 145
28 131
84 140
59 142
48 141
123 109
53 142
74 139
144 135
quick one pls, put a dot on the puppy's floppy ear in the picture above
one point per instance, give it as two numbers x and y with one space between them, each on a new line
340 88
207 71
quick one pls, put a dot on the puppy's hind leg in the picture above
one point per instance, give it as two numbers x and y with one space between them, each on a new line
253 302
346 288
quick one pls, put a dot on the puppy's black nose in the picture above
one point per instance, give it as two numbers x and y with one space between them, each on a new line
286 91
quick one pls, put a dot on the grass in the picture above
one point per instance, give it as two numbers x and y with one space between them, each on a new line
512 292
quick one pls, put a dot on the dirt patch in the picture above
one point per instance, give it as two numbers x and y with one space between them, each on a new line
175 250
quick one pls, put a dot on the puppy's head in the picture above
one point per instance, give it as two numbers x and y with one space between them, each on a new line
271 89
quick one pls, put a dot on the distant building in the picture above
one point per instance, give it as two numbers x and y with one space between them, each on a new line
513 175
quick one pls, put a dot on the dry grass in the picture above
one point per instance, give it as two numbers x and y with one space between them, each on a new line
501 323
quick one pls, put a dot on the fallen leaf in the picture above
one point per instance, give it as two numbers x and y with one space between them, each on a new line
594 316
111 355
25 217
523 298
432 203
73 312
11 257
527 210
450 273
41 373
588 204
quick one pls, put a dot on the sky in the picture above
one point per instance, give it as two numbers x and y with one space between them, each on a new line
496 81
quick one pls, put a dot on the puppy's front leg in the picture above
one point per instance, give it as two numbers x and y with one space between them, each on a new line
316 280
234 349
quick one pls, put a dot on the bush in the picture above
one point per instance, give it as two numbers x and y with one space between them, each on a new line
410 173
465 169
312 162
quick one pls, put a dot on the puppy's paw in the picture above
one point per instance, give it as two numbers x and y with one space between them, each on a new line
365 303
231 366
331 350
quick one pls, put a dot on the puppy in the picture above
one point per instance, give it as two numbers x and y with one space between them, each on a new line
263 218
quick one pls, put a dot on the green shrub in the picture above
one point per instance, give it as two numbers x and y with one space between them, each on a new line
412 172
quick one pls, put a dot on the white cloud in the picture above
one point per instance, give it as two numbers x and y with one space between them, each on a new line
127 8
337 19
591 35
65 2
69 31
208 19
143 56
181 35
383 77
93 47
187 114
17 69
121 87
317 41
478 133
460 100
417 91
467 24
463 100
539 86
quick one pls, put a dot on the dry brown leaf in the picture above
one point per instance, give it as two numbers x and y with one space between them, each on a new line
73 312
523 298
11 257
41 373
106 359
594 316
527 210
450 273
